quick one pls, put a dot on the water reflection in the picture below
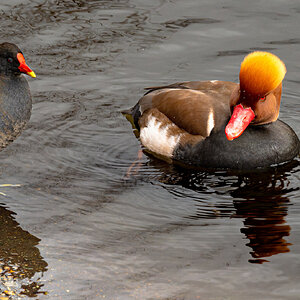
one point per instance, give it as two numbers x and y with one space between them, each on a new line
21 264
260 198
264 226
264 208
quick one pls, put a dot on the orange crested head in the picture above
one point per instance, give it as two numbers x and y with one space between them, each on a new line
261 72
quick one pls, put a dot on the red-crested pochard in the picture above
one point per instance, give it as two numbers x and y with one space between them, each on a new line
219 124
15 97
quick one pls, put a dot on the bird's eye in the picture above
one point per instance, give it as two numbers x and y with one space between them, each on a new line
10 60
263 98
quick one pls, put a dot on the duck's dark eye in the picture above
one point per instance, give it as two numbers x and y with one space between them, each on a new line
10 60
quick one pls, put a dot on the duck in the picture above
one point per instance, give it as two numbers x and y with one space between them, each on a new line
219 124
15 96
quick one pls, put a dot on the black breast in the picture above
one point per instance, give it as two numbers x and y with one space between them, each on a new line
258 146
15 107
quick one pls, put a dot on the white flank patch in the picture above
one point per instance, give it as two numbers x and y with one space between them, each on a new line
214 81
210 122
155 137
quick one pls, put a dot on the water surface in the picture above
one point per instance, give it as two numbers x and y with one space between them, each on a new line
77 227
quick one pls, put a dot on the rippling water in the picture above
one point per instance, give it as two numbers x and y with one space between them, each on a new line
80 227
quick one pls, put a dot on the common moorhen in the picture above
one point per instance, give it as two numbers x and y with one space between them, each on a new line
15 97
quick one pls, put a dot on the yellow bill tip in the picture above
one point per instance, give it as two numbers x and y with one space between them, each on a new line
32 74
